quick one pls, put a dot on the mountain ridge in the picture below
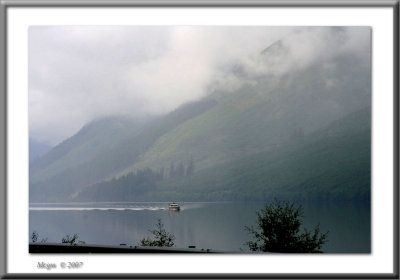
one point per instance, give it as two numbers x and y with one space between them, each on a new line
331 163
261 115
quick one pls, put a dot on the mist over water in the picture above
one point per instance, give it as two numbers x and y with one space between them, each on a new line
217 226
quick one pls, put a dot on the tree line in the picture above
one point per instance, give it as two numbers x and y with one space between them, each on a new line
136 183
181 170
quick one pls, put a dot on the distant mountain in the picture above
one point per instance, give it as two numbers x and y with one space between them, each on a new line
37 149
267 125
70 163
100 150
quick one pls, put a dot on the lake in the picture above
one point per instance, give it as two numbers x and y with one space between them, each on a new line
206 225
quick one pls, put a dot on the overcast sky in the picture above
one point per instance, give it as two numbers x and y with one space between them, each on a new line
79 73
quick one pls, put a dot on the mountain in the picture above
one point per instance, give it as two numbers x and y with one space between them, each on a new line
263 116
37 149
267 124
333 163
99 150
70 163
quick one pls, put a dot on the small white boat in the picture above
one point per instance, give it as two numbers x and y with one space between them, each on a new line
174 206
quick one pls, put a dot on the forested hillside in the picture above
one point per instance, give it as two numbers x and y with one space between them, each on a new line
304 133
331 164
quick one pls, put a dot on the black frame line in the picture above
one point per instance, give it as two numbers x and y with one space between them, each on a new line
5 4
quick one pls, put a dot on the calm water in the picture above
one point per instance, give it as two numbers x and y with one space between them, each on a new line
218 226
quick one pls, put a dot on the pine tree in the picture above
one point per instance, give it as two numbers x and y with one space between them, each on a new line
278 230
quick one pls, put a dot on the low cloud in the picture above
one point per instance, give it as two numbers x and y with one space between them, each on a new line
80 73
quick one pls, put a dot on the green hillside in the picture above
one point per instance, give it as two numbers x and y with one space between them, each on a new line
269 120
99 150
70 163
261 116
332 163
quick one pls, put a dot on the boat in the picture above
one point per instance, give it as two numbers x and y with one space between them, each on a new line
174 206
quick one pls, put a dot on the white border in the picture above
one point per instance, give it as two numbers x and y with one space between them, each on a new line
381 21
